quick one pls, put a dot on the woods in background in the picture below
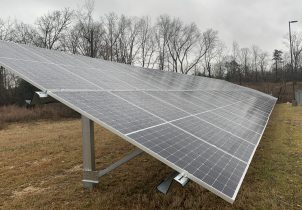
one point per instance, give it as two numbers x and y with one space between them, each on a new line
166 43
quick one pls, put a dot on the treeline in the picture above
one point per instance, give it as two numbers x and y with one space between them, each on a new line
165 43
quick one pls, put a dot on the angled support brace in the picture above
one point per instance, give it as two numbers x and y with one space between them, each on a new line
113 166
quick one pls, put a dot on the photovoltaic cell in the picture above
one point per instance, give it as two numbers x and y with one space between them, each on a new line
180 103
49 76
206 129
152 105
111 110
237 129
223 140
210 165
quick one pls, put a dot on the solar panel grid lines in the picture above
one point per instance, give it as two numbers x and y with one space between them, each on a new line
205 128
8 49
197 101
49 61
244 111
25 77
220 127
138 82
75 75
111 109
111 78
215 106
148 76
225 120
259 110
224 127
171 124
45 75
189 115
148 102
247 117
101 79
194 153
214 136
221 97
237 96
56 63
215 99
182 104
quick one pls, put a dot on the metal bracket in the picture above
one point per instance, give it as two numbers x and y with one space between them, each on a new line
40 97
164 186
181 179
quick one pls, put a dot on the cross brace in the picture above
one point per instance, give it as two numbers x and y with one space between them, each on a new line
90 174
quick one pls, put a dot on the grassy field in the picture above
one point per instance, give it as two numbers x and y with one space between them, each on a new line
40 167
281 90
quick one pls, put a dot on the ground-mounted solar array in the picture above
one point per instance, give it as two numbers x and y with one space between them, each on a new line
206 129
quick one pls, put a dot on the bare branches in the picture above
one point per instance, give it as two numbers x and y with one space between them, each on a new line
7 30
51 27
211 41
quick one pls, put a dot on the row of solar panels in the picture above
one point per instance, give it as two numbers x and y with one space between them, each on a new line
207 129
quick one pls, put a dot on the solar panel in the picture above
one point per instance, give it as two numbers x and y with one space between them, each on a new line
206 129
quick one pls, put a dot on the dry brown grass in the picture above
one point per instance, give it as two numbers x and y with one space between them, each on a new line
9 114
282 91
40 168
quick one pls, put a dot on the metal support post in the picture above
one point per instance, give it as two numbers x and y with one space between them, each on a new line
90 175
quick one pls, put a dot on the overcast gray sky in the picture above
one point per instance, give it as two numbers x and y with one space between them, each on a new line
260 22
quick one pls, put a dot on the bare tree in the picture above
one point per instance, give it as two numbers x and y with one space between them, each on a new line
277 57
245 57
87 36
255 54
25 33
147 43
234 65
52 26
263 62
128 42
211 42
7 32
112 34
186 45
297 51
220 60
162 31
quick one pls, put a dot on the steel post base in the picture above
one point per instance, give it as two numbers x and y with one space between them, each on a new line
164 186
